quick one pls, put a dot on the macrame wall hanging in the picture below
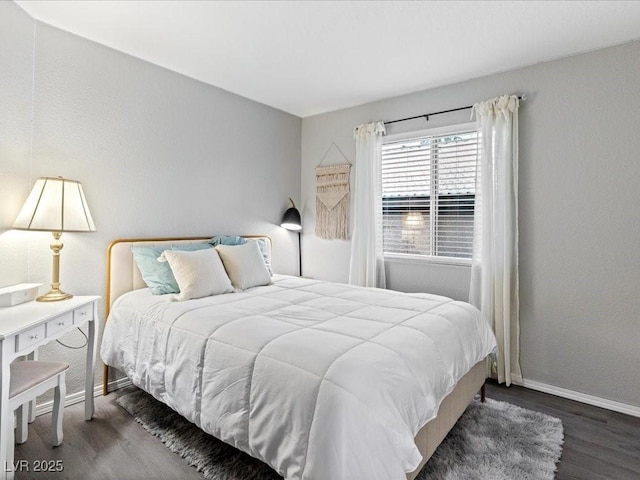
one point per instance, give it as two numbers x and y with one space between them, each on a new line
332 198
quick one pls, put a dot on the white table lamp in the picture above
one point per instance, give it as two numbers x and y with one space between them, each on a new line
55 205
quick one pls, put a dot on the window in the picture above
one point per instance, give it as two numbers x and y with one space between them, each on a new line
428 193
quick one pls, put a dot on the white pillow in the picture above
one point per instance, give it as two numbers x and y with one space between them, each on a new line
244 265
199 273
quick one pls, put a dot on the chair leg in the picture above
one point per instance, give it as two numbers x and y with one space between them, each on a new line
59 393
22 422
10 452
483 392
32 411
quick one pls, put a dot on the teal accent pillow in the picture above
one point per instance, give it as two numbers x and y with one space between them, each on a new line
227 240
189 247
158 275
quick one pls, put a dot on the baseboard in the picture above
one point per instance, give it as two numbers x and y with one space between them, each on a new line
78 397
620 407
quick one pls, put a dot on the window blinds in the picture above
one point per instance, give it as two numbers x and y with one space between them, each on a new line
428 191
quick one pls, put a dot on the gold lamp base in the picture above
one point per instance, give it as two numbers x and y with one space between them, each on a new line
55 294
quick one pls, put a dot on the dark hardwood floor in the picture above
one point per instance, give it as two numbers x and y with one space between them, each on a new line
598 444
112 446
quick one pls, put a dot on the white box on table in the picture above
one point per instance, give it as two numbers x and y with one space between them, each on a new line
20 293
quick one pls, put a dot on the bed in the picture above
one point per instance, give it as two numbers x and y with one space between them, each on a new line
319 380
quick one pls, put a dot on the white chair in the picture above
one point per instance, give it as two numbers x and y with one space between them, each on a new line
29 379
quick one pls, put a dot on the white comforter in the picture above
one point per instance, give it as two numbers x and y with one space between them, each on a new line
321 381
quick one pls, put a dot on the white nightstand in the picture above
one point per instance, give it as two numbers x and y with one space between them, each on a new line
24 328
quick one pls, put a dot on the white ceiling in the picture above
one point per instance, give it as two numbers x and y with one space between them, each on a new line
310 57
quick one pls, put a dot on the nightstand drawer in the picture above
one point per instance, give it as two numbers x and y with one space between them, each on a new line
83 313
61 323
28 338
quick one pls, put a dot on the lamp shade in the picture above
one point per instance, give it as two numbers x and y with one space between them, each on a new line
55 205
291 219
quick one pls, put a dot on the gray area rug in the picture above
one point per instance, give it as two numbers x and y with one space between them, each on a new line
491 441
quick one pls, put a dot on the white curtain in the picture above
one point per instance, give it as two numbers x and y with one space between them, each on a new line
494 270
367 261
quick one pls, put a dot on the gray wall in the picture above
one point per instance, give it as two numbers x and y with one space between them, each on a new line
579 223
16 71
158 154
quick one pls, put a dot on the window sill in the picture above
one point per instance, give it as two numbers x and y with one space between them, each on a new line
406 258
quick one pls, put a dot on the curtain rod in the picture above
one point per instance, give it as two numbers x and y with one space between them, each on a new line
427 115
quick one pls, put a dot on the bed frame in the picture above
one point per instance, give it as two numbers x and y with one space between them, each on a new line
123 276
